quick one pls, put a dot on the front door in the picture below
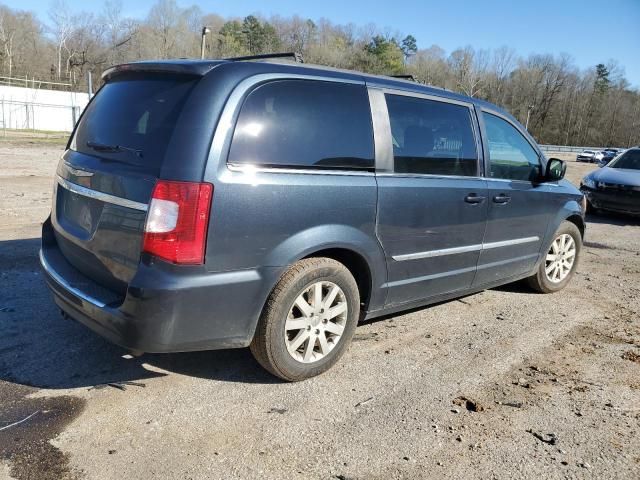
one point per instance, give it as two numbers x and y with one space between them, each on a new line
432 204
520 208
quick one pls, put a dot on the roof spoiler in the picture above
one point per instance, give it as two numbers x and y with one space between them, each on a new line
409 77
194 68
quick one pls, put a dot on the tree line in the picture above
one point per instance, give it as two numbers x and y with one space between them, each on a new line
563 103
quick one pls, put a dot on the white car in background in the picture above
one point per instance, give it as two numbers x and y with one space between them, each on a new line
587 156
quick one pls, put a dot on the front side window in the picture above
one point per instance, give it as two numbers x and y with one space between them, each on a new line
511 156
431 137
305 124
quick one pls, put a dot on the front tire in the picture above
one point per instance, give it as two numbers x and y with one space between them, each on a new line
308 321
560 262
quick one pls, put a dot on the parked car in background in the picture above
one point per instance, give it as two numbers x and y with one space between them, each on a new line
220 204
616 186
586 156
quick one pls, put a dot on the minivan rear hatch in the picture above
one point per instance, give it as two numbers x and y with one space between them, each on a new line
106 177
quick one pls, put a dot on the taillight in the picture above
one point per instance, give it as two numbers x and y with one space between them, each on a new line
176 227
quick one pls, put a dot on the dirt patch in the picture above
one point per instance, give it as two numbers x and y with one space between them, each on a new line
630 355
468 403
28 425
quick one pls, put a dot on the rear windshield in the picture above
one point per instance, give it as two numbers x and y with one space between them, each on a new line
131 119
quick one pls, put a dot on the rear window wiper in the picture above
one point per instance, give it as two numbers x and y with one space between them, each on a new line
102 147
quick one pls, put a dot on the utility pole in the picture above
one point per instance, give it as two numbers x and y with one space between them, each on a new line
529 108
205 30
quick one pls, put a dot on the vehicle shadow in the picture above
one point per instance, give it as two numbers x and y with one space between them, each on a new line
521 286
516 287
40 348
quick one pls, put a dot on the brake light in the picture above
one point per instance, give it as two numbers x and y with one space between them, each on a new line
177 219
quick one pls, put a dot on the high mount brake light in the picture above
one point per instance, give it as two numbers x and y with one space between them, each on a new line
177 220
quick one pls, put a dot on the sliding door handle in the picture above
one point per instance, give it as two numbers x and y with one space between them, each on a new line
474 198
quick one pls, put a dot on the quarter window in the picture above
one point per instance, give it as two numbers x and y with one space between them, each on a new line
303 124
511 156
431 137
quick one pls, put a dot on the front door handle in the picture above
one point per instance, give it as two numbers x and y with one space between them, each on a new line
502 198
474 198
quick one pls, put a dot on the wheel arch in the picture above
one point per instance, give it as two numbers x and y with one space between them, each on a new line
358 250
578 221
357 265
569 211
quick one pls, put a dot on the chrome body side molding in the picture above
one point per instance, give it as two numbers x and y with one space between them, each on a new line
464 249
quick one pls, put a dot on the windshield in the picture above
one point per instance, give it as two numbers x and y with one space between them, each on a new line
131 119
630 160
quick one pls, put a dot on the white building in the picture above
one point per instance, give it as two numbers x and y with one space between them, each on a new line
39 109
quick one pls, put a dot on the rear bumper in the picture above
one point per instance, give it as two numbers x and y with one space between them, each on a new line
164 309
614 202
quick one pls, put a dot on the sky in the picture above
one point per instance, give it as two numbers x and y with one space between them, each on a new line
591 31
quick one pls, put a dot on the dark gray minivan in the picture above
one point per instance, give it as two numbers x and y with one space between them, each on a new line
220 204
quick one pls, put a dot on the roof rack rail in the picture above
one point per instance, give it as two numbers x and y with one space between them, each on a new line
295 55
405 77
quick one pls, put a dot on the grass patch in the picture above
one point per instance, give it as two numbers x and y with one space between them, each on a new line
26 137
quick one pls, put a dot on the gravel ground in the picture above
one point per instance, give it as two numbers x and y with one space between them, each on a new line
502 384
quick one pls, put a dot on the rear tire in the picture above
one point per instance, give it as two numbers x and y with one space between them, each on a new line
293 314
560 262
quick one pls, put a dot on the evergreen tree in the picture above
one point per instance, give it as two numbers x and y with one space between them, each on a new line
409 46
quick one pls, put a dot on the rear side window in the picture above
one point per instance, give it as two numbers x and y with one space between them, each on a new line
431 137
305 124
511 156
135 113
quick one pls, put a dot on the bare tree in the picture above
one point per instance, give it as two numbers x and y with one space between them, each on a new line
62 27
469 67
7 35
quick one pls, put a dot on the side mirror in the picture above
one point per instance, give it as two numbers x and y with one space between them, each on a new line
556 169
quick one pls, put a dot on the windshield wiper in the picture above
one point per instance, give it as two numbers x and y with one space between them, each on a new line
101 147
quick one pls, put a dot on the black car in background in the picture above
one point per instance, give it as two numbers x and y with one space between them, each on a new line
616 186
608 154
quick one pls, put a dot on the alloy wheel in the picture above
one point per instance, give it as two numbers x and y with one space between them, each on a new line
316 321
560 258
